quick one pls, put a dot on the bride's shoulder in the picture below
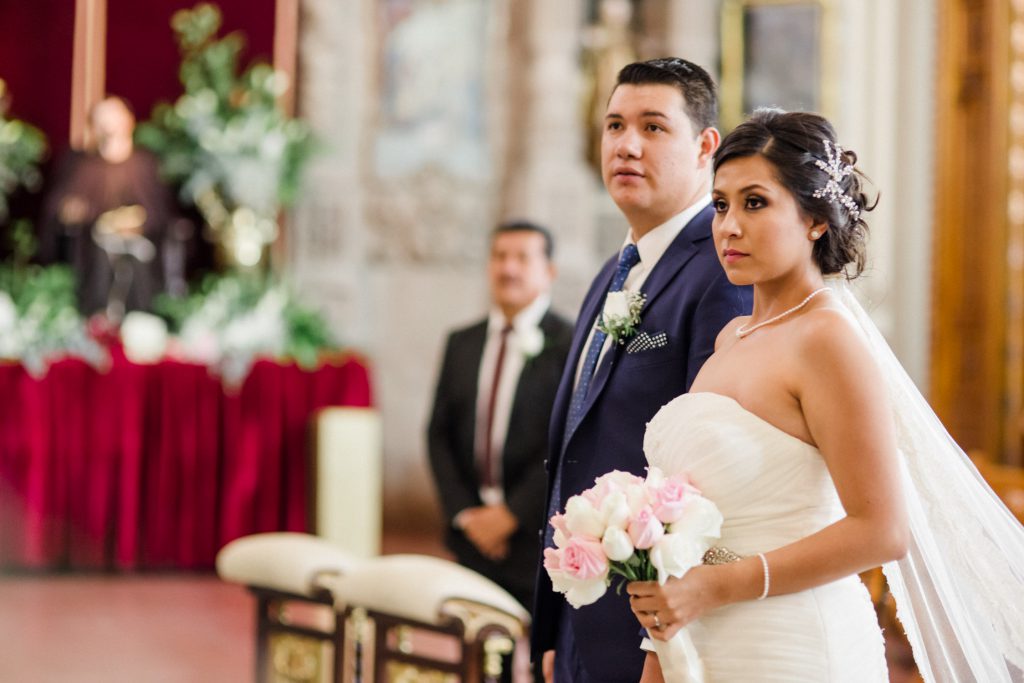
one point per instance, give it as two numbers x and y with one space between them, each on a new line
828 335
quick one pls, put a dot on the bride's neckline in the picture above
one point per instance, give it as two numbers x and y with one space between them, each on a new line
733 401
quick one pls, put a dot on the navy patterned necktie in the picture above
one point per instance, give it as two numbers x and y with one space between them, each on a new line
630 257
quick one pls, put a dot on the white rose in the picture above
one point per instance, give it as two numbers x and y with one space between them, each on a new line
616 305
617 544
701 519
580 593
530 341
144 337
675 554
582 518
615 510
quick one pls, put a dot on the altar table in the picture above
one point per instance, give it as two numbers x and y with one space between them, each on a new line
156 466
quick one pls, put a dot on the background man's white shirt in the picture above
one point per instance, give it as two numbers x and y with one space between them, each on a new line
524 322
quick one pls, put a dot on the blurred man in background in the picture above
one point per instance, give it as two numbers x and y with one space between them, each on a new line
488 431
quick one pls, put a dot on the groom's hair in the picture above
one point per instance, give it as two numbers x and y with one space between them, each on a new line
527 226
695 84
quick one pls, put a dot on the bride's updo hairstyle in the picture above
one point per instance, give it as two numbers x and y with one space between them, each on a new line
794 142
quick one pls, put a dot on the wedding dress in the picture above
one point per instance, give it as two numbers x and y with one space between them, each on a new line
959 591
772 489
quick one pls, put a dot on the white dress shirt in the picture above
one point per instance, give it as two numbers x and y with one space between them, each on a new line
651 247
524 329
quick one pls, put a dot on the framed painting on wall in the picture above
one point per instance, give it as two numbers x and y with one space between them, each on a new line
776 53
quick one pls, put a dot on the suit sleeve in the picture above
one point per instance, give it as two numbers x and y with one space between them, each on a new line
527 499
722 301
455 492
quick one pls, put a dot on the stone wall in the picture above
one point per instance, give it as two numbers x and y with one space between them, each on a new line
392 243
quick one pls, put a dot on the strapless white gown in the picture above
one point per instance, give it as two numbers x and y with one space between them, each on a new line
772 489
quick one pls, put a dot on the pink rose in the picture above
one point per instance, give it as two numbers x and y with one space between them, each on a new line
561 528
583 559
644 529
608 483
671 498
552 559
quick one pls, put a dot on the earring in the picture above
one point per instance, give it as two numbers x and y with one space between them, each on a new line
815 234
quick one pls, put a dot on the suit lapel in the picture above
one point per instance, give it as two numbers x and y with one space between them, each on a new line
584 323
473 356
527 385
682 249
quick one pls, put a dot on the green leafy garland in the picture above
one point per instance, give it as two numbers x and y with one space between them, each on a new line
226 140
21 149
39 320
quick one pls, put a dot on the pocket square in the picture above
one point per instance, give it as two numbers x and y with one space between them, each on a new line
646 342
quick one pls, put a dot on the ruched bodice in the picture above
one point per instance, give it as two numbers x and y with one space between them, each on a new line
772 489
730 452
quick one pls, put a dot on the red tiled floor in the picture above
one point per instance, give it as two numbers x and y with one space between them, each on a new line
158 629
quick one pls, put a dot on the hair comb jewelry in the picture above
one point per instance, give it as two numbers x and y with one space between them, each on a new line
836 170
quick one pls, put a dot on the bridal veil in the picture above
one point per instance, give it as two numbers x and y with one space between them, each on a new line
960 589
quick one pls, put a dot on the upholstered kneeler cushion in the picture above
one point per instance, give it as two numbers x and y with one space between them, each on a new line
418 588
284 561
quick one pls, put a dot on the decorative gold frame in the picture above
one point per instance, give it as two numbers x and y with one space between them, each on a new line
734 45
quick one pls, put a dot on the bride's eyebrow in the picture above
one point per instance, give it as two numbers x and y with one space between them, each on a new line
753 186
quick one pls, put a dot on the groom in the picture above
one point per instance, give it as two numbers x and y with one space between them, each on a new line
658 141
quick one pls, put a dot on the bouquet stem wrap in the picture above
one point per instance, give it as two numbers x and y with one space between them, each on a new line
678 658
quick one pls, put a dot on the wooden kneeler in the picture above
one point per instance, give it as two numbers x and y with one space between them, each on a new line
423 619
299 635
391 619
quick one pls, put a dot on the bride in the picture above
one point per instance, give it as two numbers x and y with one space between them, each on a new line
822 456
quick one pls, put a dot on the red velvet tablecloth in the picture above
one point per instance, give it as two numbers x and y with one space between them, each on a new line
155 466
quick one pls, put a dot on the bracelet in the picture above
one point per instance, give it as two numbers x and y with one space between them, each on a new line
767 577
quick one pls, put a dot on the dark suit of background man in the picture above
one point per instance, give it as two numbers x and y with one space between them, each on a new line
656 148
488 435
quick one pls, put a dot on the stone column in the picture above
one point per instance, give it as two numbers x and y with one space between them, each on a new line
885 64
547 178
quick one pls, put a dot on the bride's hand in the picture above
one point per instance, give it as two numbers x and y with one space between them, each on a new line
663 610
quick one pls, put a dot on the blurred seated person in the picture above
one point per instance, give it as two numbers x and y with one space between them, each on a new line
110 216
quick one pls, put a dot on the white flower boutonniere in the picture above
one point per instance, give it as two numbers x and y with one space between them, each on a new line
621 315
530 341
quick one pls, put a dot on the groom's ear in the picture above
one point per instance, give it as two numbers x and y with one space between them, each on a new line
709 140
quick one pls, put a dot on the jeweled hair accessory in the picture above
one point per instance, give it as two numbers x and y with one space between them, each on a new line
837 169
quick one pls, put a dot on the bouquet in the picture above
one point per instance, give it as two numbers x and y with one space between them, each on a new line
639 530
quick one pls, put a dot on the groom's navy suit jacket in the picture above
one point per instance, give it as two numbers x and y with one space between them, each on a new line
689 299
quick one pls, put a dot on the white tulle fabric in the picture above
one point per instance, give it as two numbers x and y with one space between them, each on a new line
772 489
960 589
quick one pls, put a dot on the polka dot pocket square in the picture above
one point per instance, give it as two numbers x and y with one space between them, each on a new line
644 341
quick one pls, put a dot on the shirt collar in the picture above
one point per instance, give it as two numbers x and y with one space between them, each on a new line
527 318
652 245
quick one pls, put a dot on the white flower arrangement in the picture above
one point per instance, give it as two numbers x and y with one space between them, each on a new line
39 322
621 315
234 320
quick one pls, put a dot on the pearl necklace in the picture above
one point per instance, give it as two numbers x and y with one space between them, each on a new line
742 332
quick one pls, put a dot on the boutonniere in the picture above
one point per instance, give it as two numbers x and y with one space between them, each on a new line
530 341
621 315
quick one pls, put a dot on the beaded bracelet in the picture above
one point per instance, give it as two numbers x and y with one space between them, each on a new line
767 577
